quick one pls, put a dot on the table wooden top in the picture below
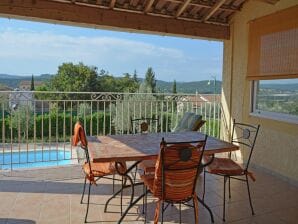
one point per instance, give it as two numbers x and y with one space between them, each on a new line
146 146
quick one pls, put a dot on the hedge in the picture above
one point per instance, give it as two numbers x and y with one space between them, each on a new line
46 126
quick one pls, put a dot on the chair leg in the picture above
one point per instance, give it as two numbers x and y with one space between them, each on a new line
135 174
143 211
250 202
162 211
145 204
83 190
121 195
204 184
224 200
88 200
124 180
113 183
196 209
180 213
229 187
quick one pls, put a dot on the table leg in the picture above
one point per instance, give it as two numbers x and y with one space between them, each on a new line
126 177
131 205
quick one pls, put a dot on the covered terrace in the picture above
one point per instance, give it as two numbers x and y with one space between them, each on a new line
244 26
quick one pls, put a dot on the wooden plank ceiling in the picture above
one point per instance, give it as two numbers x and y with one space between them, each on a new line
206 11
193 18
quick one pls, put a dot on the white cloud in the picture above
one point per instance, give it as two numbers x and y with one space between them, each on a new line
27 44
30 52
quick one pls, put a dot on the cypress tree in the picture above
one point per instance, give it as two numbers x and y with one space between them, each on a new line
174 87
32 84
150 80
135 76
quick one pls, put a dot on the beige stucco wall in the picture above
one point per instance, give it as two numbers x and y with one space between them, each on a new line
277 144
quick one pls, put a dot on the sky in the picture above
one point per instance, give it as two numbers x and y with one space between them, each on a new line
36 48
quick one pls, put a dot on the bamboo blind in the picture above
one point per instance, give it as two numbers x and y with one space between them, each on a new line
273 46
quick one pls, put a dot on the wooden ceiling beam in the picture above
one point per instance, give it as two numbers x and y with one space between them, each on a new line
133 3
148 6
182 8
203 5
94 17
225 8
215 7
112 4
141 12
272 2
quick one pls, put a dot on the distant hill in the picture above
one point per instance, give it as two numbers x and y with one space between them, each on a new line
281 87
205 86
13 81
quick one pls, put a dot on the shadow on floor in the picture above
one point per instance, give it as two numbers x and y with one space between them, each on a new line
16 221
171 213
58 187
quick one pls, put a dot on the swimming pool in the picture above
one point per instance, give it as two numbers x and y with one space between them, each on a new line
32 159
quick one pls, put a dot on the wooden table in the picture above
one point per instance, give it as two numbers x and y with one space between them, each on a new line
146 146
138 147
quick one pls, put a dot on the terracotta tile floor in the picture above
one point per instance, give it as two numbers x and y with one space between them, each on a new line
53 196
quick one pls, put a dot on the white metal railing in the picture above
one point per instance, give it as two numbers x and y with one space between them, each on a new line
36 126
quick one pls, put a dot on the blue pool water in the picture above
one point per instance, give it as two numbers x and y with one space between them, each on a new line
31 159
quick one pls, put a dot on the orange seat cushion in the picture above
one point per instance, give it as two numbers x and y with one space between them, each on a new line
100 169
148 166
225 166
148 180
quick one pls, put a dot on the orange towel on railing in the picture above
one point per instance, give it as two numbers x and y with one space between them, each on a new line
79 136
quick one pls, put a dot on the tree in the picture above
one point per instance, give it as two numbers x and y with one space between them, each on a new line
174 87
109 83
75 78
144 88
135 106
150 80
22 119
32 84
82 78
135 76
128 83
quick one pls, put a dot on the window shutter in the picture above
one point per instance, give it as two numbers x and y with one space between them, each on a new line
273 46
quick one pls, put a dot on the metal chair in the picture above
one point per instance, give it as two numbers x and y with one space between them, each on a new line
244 135
189 122
144 124
94 171
175 178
